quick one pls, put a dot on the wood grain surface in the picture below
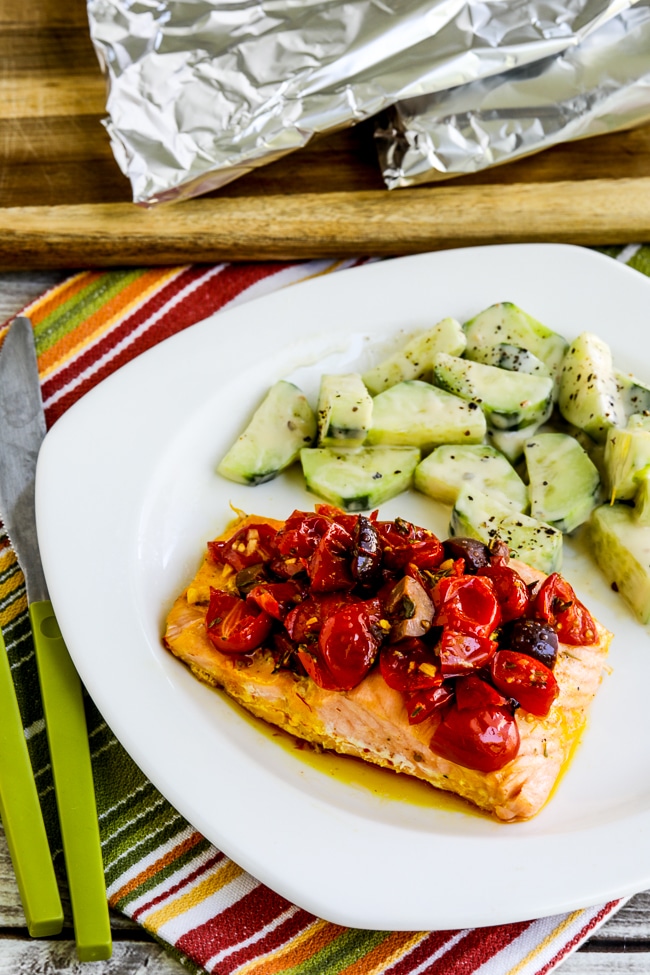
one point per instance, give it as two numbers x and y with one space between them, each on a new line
64 203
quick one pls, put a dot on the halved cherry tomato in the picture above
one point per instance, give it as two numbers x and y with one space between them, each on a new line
276 598
284 649
484 739
422 704
349 641
409 666
233 626
525 679
252 544
289 567
304 622
467 604
313 663
300 534
311 660
473 693
557 603
329 566
460 653
510 588
344 519
403 542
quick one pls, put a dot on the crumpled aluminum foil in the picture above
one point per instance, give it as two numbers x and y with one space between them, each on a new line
202 91
600 85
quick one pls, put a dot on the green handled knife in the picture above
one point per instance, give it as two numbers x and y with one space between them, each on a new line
22 428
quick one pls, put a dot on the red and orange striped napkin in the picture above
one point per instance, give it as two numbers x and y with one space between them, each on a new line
159 871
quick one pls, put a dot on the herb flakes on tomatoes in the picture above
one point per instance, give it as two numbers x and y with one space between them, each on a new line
450 627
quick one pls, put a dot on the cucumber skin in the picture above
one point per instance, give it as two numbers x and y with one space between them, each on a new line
482 384
381 486
642 498
506 322
621 548
253 458
438 408
440 475
413 360
340 397
592 404
627 452
564 509
499 521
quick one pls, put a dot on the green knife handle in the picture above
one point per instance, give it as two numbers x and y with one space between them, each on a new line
67 736
22 817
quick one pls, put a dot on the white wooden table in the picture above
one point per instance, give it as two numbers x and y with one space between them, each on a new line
622 946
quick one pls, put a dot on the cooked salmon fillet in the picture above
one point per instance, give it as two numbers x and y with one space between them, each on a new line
370 721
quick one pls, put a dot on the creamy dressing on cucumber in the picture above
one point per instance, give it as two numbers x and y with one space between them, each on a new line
523 435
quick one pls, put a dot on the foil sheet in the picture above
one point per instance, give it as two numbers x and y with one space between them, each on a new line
202 91
600 85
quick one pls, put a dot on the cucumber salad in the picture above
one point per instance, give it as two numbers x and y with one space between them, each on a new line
527 437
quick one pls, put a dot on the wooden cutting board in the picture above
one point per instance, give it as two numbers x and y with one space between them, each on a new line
64 203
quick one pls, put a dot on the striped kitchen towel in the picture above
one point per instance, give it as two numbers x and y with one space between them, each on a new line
160 871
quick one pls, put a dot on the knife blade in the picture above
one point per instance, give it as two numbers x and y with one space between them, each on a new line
22 429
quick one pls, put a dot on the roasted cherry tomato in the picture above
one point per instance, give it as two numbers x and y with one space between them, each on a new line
276 598
484 738
460 653
313 663
304 622
344 519
557 603
422 704
409 666
329 566
252 544
510 588
467 604
403 542
289 567
473 693
284 649
526 679
300 534
233 626
348 643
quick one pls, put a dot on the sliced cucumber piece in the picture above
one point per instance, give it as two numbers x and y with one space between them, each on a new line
413 360
357 479
638 420
450 469
508 399
563 482
635 395
626 453
344 411
281 426
507 323
511 442
479 516
595 451
589 396
621 548
514 358
417 414
642 497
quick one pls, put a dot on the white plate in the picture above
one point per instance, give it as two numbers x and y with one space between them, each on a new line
127 496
